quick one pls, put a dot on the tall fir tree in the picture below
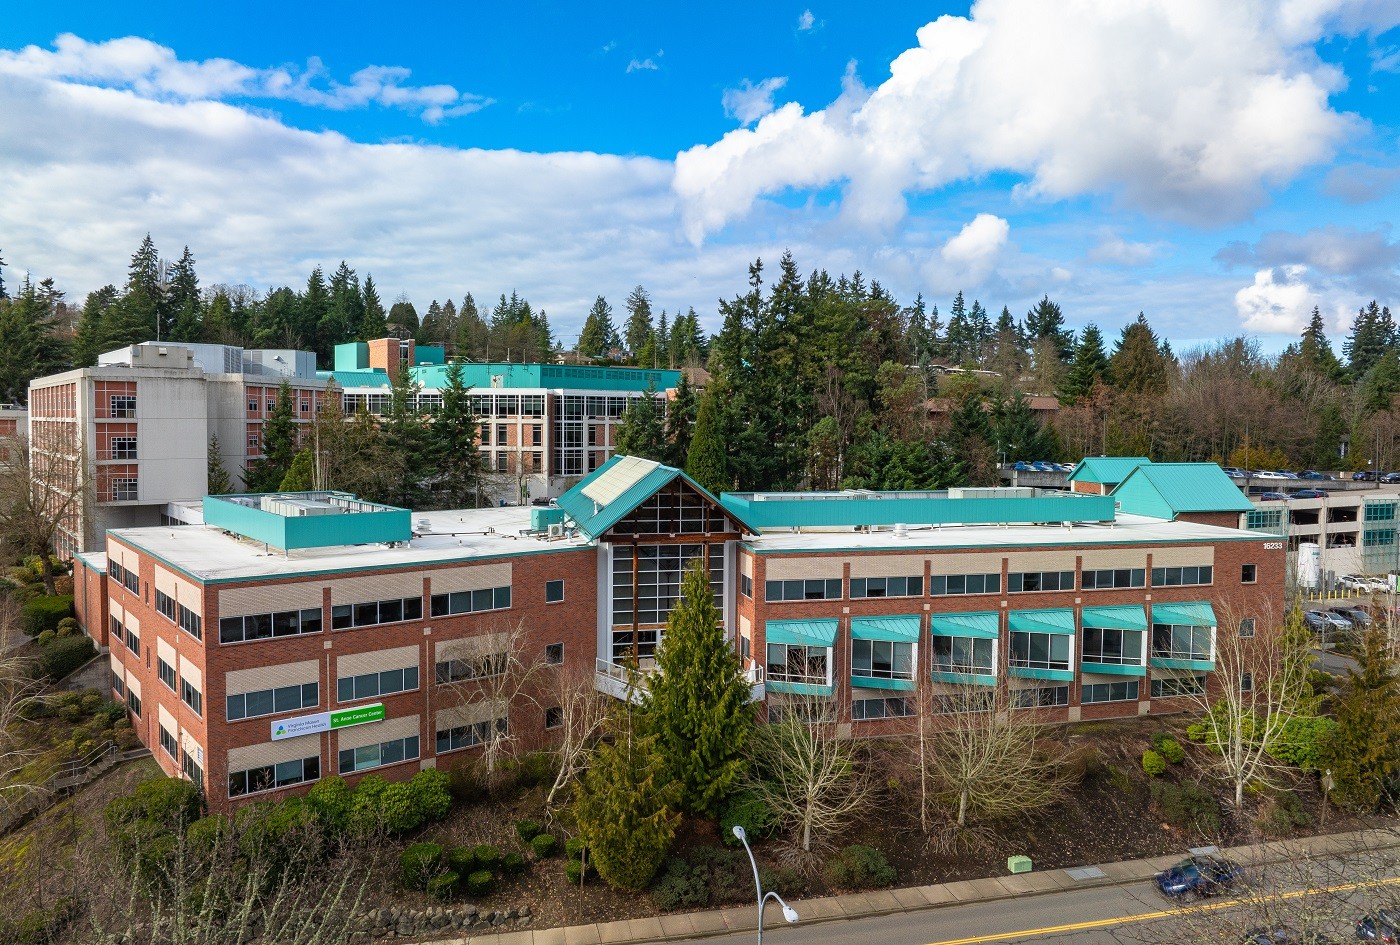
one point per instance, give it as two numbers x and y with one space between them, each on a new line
680 422
313 316
31 345
642 432
406 444
4 293
1372 334
697 706
1364 756
1139 365
961 341
279 445
218 481
1089 366
473 335
705 461
1315 351
375 322
345 311
599 335
301 474
638 331
1046 320
184 301
452 438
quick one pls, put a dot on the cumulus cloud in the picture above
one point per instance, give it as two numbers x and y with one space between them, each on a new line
806 20
1138 112
1338 250
645 65
1279 301
750 102
154 71
1360 183
975 249
1116 251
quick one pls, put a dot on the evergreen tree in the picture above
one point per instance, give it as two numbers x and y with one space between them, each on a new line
697 706
642 432
406 444
313 321
375 323
219 482
680 421
705 461
1089 366
1372 334
1315 351
1364 757
961 340
403 318
473 336
1046 320
30 345
639 330
688 348
4 294
452 437
970 439
599 334
345 313
1017 433
1139 366
301 474
626 807
1382 382
980 325
279 445
184 301
662 342
88 340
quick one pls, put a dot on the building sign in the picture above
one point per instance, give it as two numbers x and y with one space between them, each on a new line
325 721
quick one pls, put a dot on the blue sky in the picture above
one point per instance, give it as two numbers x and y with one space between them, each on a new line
1223 168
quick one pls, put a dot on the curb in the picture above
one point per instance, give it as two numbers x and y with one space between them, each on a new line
882 902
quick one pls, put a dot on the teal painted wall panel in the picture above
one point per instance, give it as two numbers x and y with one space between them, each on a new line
381 525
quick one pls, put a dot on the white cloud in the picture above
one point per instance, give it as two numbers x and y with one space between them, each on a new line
610 45
646 65
1279 302
1116 251
1092 97
749 102
806 20
154 71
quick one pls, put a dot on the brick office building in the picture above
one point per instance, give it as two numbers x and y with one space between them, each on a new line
296 636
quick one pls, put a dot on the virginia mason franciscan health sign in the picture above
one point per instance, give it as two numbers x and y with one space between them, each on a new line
325 721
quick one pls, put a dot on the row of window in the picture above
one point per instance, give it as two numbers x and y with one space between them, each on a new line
271 777
128 579
249 705
469 736
471 602
265 626
390 752
375 612
989 583
186 619
122 635
1038 697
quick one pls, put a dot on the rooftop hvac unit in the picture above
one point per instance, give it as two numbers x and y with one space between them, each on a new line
556 530
901 530
424 526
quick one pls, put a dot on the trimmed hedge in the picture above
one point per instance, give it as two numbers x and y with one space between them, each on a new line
419 864
487 857
527 829
480 883
442 886
544 845
45 613
62 655
860 867
746 811
1153 763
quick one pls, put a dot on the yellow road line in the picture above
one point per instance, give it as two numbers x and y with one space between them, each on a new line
1149 916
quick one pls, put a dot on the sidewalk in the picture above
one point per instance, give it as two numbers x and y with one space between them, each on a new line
685 925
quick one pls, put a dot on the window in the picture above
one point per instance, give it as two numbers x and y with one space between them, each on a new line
1249 573
964 655
887 587
166 673
190 622
1117 647
746 585
133 641
124 489
131 581
865 710
271 777
1181 577
470 602
1247 626
537 435
553 717
474 667
265 626
123 406
553 592
1040 650
882 659
191 697
810 589
1025 581
964 584
1170 641
250 705
123 447
466 736
253 406
167 743
369 685
660 569
1126 691
377 756
1178 686
799 664
271 406
502 461
501 434
1246 683
1043 697
115 629
252 442
165 606
118 683
1114 578
554 654
133 702
374 612
191 768
306 406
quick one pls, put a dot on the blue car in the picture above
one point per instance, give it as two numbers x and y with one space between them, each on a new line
1381 926
1284 935
1198 876
1274 497
1309 494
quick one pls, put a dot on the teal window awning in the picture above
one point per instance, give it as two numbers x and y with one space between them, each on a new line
984 625
1055 620
893 629
1125 617
801 632
1191 614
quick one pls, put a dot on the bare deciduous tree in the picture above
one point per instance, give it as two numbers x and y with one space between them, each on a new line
18 691
582 714
42 493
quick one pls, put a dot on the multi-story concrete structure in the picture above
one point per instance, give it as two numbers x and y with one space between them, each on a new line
14 425
290 637
143 417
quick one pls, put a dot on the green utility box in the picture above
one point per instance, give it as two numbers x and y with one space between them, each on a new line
1018 864
542 518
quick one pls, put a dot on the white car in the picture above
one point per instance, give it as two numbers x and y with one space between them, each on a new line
1381 584
1354 582
1267 474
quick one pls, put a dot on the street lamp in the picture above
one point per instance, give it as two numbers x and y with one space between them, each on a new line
789 912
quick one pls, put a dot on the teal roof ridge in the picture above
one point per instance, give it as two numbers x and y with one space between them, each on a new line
1106 469
1180 487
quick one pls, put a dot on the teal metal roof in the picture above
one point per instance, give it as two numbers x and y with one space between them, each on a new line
984 624
613 490
1191 614
365 378
896 629
1165 490
1051 620
1124 617
500 376
782 510
1106 469
801 632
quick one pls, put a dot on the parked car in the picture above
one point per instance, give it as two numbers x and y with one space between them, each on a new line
1335 622
1391 478
1381 926
1364 476
1382 584
1309 494
1234 472
1357 615
1197 876
1273 497
1314 474
1315 622
1269 474
1284 935
1042 466
1354 582
1022 466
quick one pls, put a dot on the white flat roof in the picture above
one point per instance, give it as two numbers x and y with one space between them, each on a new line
209 554
1128 529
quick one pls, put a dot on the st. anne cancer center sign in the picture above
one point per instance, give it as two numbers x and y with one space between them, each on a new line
325 721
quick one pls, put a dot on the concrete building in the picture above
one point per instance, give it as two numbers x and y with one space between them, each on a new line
290 637
14 425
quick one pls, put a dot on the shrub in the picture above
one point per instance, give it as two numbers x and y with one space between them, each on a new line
512 864
1169 748
536 769
527 829
1188 806
441 886
1153 763
465 783
1283 815
480 883
205 835
332 801
1303 741
544 845
680 886
860 867
419 863
487 857
747 811
45 613
68 626
574 872
462 860
399 809
711 876
44 637
1196 732
574 848
64 655
431 793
